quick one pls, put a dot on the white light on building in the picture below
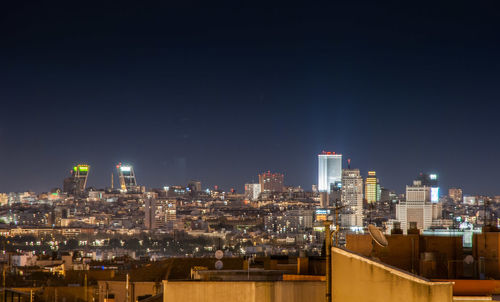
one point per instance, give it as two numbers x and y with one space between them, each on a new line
329 170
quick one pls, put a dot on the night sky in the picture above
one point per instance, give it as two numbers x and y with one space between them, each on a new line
220 94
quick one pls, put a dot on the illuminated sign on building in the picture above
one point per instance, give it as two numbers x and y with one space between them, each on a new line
322 215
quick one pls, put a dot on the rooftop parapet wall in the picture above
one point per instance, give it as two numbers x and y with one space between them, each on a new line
244 291
356 278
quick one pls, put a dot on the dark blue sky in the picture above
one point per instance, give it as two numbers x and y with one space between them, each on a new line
220 94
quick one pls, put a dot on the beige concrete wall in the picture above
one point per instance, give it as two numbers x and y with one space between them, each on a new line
216 291
471 299
298 291
356 278
243 291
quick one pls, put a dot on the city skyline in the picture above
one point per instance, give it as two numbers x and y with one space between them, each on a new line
116 178
220 94
158 151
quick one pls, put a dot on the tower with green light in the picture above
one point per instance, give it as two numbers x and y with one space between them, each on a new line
77 182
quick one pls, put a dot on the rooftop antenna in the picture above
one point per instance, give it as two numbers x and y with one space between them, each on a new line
328 248
348 163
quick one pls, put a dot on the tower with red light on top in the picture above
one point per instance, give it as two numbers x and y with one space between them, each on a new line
271 182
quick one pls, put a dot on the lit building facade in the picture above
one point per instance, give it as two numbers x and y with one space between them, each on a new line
159 214
416 208
455 194
470 200
77 182
194 185
4 199
352 197
252 191
291 221
271 182
329 171
126 175
430 180
372 187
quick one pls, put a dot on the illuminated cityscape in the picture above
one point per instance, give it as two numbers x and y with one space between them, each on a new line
307 152
267 219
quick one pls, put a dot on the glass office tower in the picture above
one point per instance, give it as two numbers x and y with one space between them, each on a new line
329 171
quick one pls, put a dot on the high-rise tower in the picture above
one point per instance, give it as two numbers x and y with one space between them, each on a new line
416 208
271 182
76 183
372 187
252 191
352 197
329 171
430 180
127 178
455 194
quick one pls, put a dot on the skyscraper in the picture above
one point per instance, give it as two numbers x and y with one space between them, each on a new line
416 208
252 191
352 197
372 187
271 182
455 194
430 180
126 175
329 171
76 183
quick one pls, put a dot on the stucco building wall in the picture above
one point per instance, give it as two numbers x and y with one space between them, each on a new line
356 278
244 291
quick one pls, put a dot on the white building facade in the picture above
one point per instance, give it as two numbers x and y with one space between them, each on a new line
352 198
252 191
329 170
416 208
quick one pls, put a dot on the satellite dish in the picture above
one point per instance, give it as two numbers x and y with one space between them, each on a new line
219 265
219 254
377 235
468 259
